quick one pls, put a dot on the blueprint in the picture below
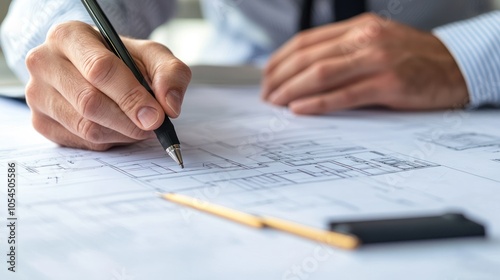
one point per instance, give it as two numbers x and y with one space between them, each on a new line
97 215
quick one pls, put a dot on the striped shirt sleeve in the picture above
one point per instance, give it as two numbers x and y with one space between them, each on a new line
475 45
29 21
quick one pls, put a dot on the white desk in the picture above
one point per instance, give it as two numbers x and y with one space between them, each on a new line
85 215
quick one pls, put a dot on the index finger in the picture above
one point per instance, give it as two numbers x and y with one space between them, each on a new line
314 36
169 76
306 39
105 71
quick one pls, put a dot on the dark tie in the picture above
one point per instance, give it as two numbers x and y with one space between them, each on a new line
342 9
345 9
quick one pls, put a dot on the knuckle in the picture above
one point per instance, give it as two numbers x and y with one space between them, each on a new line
153 46
393 80
373 29
88 102
39 123
89 131
392 85
35 58
31 93
182 69
378 33
322 105
321 72
301 40
132 99
369 16
350 97
59 32
99 147
63 31
380 56
99 68
300 58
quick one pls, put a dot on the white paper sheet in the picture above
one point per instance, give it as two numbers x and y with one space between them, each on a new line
89 215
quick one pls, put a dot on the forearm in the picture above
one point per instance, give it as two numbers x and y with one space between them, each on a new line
475 47
28 22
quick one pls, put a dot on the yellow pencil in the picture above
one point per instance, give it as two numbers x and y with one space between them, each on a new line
331 238
224 212
340 240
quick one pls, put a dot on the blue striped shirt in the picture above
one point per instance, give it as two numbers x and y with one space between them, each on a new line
475 44
248 31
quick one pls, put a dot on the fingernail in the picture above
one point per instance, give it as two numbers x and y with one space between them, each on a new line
174 101
148 116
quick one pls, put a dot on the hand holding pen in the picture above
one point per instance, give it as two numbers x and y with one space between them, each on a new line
82 95
166 132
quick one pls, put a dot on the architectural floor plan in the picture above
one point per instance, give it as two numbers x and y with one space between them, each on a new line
100 210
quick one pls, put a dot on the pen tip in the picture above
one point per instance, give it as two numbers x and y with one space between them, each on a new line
174 152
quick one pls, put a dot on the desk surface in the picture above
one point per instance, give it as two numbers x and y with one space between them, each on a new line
87 215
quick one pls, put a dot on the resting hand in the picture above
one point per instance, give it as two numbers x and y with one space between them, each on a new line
364 61
82 95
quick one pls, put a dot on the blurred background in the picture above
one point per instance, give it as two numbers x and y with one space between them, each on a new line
186 36
6 77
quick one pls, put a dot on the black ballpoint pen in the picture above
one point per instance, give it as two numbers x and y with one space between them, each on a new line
166 132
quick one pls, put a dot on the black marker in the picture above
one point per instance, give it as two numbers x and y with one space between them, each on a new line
166 132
